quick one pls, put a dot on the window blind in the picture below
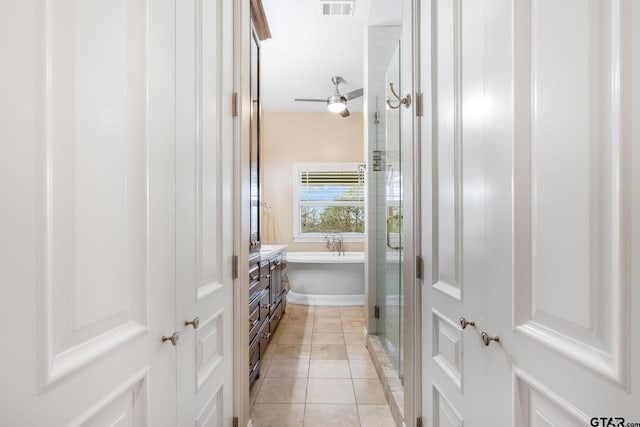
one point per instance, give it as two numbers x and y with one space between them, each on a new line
331 186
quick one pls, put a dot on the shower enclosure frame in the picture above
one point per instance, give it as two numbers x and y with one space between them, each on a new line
412 275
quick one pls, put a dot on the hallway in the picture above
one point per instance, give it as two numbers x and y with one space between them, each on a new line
317 372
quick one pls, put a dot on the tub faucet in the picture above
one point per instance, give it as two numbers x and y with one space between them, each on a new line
335 242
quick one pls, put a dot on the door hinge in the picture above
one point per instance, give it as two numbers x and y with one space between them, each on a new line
236 422
376 311
234 104
234 266
419 422
419 104
419 267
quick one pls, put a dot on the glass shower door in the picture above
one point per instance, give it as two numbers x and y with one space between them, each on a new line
390 202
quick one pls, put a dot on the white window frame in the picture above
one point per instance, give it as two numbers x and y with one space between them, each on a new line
320 167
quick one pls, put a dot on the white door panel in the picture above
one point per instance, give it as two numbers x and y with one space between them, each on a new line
453 214
204 221
88 213
94 257
568 328
538 96
572 187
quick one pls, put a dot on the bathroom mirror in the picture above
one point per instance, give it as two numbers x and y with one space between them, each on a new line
254 238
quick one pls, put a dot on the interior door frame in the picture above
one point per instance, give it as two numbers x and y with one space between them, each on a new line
412 242
412 214
412 327
241 206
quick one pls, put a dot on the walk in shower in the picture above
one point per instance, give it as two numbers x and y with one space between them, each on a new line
385 208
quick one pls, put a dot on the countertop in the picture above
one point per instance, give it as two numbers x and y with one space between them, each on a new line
267 251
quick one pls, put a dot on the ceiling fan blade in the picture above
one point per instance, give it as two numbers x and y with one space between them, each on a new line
310 100
354 94
345 113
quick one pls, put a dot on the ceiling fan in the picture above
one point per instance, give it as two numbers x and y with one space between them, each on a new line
337 103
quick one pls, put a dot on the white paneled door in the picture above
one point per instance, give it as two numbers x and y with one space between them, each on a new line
115 216
87 213
204 250
532 201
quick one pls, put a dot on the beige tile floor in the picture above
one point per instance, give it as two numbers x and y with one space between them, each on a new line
317 372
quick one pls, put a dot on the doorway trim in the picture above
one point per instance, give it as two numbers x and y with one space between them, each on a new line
241 97
411 146
412 278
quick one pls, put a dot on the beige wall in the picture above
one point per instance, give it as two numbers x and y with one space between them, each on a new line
301 137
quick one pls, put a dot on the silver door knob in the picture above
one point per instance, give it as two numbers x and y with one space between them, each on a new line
195 322
486 338
173 338
464 323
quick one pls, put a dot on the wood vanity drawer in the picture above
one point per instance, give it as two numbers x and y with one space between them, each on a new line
254 289
254 303
254 323
254 361
265 272
275 319
265 338
265 305
254 272
254 281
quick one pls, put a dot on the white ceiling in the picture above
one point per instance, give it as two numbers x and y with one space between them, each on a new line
305 50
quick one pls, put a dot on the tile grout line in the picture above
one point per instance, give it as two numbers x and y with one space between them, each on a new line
306 394
317 328
353 387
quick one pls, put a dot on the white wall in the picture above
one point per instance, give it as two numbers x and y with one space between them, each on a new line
301 137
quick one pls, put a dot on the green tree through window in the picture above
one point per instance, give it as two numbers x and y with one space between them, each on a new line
330 202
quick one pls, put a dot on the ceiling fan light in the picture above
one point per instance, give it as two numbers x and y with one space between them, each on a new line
336 103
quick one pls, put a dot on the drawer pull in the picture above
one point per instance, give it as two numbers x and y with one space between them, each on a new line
266 336
254 323
265 276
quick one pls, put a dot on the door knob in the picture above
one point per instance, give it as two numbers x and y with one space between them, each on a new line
173 338
195 322
464 323
486 338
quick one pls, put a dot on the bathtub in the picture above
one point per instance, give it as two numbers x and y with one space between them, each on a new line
323 278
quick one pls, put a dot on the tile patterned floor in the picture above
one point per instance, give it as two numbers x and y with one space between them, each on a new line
318 372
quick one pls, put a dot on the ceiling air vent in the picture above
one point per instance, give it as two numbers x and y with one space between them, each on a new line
337 8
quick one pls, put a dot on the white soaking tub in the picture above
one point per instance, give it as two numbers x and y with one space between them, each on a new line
324 278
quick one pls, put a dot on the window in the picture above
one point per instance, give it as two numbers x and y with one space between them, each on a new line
328 198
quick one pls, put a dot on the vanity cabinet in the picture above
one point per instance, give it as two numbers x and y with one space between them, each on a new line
279 268
267 303
265 295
